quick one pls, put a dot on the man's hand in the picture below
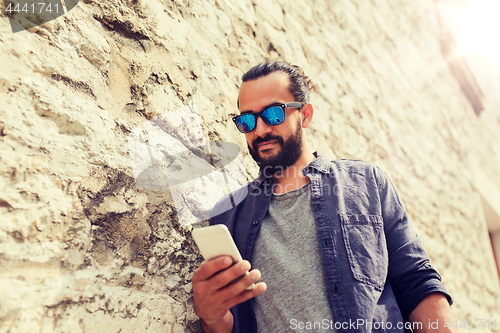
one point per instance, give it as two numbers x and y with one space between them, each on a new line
433 308
213 294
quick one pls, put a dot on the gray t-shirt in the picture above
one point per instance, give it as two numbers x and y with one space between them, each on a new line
287 253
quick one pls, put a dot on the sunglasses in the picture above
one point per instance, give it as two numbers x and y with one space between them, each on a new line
272 116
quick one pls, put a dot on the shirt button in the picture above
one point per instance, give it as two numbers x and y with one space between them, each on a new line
335 289
318 207
255 222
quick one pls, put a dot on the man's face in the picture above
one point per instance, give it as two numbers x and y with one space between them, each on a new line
274 148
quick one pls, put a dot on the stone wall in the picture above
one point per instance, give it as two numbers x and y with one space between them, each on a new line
83 248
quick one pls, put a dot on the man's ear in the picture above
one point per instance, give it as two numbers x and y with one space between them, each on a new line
307 112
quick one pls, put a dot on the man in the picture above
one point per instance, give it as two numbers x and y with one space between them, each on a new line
332 239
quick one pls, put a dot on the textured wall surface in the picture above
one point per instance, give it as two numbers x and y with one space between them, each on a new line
83 248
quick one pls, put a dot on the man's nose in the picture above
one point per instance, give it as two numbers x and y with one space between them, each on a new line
261 128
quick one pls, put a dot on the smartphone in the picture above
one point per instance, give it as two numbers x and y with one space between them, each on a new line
215 241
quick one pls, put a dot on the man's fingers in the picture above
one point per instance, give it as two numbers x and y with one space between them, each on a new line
216 275
224 278
258 289
208 268
215 295
241 285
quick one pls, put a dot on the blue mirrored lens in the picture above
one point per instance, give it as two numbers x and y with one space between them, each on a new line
246 123
273 116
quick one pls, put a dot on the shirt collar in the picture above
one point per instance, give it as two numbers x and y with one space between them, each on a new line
320 163
260 179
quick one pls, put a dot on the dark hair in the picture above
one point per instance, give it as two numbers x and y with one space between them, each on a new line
300 85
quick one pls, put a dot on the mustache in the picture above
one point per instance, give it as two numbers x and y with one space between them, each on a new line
267 138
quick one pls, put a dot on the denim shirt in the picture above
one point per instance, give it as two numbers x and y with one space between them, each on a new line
376 268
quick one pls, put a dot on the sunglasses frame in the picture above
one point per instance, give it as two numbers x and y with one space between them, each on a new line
295 105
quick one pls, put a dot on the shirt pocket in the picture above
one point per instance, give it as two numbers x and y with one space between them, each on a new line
366 247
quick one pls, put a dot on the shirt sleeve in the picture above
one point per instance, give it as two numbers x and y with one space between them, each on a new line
411 274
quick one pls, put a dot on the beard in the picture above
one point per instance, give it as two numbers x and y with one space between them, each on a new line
291 149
